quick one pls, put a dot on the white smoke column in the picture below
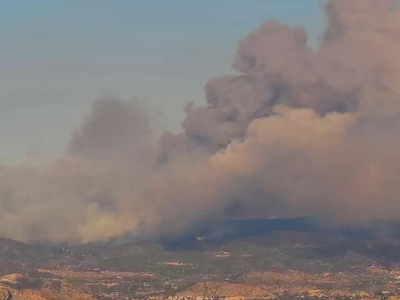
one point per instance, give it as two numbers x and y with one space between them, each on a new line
300 131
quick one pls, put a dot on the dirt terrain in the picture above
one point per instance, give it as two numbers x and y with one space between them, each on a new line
273 264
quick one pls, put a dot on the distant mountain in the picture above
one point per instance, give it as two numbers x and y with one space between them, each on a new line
376 229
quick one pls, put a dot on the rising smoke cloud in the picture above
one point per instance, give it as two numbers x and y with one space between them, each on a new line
301 131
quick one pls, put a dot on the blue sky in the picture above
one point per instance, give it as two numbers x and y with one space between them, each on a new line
57 57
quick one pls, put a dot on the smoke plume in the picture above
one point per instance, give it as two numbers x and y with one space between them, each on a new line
301 131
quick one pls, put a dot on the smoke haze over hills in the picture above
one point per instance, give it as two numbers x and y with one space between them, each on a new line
300 131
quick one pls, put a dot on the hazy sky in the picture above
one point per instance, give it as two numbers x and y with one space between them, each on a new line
57 57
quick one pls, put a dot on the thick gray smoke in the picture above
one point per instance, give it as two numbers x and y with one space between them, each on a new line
302 131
